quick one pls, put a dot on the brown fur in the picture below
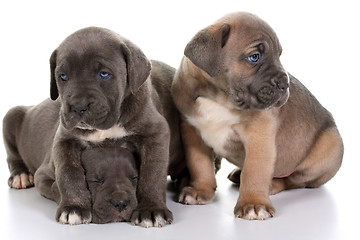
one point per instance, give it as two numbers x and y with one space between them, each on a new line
253 113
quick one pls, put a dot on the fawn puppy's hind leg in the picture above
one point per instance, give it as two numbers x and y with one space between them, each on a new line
321 164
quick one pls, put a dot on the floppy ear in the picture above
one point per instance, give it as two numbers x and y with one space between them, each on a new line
53 88
137 65
204 49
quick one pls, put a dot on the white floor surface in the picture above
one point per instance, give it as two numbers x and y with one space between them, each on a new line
329 212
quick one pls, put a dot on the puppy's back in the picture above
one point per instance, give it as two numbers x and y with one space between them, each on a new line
162 76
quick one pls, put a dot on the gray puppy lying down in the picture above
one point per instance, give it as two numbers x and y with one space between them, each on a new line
111 175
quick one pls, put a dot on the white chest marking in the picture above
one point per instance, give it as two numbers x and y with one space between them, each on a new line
214 123
111 133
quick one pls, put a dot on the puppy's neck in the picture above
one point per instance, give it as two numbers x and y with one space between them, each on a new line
206 85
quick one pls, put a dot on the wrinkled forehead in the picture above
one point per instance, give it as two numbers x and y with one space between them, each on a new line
250 29
88 44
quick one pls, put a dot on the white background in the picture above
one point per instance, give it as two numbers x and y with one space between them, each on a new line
320 41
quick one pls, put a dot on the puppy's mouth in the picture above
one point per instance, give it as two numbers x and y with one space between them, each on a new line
111 205
107 213
115 216
88 120
273 93
265 98
84 126
268 97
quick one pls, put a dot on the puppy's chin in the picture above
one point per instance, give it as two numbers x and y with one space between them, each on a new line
84 126
277 100
72 121
252 102
111 215
283 99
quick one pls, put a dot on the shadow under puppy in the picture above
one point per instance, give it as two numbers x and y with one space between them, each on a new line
239 103
103 91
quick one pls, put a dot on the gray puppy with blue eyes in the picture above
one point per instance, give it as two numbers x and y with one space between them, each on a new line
104 91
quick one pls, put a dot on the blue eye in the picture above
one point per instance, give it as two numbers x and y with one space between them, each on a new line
254 58
63 77
104 75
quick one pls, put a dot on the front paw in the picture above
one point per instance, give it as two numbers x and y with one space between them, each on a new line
256 210
147 217
73 215
192 196
21 181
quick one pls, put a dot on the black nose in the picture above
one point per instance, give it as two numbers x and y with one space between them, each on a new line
79 109
120 204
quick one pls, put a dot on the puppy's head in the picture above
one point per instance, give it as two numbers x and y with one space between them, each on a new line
92 71
240 53
111 175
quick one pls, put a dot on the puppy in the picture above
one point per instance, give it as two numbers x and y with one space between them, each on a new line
111 175
102 92
239 103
